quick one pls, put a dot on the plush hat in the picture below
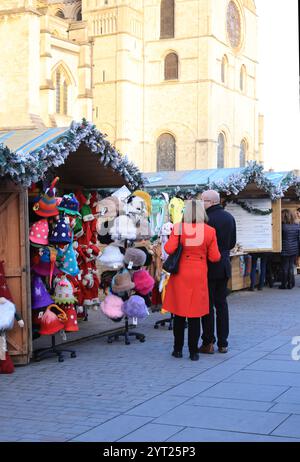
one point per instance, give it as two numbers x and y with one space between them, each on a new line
143 229
86 213
61 233
69 264
103 229
39 231
134 258
63 292
69 205
39 295
136 206
112 257
108 208
7 314
135 307
146 197
122 282
52 323
112 307
46 206
148 255
123 228
144 283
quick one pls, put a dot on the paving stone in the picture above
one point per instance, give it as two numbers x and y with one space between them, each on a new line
276 366
290 428
229 403
290 396
152 432
263 377
157 406
287 408
245 391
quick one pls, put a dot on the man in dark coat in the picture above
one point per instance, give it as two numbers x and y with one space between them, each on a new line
218 275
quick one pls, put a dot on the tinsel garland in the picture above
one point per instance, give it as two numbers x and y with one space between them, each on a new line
247 207
29 168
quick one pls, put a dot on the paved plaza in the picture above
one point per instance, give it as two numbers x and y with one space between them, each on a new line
139 392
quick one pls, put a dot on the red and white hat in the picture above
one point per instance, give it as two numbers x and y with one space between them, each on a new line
39 232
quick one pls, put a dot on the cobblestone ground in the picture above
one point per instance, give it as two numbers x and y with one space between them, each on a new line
139 392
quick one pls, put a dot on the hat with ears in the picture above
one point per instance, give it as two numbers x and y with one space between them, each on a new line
146 198
134 258
63 292
135 307
123 228
143 281
112 257
61 233
108 208
39 231
69 204
46 206
39 295
112 307
103 229
136 206
122 283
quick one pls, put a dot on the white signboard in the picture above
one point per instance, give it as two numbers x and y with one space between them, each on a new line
254 232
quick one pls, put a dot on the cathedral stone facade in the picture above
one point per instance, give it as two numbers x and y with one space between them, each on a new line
171 82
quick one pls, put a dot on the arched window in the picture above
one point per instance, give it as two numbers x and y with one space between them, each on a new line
60 14
243 153
61 82
221 151
224 66
167 18
79 15
166 152
171 66
243 78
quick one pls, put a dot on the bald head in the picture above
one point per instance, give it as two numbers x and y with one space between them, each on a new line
210 198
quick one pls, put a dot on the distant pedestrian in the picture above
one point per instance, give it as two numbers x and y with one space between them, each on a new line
290 248
187 291
218 275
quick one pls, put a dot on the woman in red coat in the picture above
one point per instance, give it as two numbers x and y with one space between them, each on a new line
187 291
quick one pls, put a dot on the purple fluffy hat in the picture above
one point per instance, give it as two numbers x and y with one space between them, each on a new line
135 307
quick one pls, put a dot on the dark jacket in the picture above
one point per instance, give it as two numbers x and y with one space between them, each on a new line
225 227
290 240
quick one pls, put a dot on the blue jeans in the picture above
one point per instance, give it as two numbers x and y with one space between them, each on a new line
263 267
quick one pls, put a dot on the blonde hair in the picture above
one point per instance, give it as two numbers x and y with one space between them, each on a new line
194 212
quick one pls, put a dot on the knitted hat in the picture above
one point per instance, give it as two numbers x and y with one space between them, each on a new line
46 206
71 325
69 263
63 292
135 307
108 208
61 233
146 197
122 282
52 323
112 257
78 230
112 307
144 283
86 213
134 258
123 228
39 295
7 314
69 205
39 231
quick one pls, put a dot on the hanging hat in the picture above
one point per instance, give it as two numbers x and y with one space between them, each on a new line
69 264
108 208
63 292
136 206
106 279
144 283
52 323
135 307
112 307
176 207
143 229
61 233
39 231
69 205
78 230
149 257
166 229
71 325
39 295
7 314
134 258
46 206
86 213
123 228
103 229
112 257
146 198
122 282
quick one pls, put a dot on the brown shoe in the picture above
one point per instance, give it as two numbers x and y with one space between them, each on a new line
207 349
222 349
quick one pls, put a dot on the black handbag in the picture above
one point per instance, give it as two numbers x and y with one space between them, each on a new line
171 265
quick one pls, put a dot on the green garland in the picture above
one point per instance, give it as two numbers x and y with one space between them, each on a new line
245 206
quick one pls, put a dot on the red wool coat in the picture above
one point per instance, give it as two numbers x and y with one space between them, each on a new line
187 291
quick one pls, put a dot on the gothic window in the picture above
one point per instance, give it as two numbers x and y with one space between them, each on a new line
224 66
167 18
243 153
166 152
60 14
221 151
171 66
61 83
242 78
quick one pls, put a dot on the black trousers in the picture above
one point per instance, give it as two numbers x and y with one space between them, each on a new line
193 333
288 277
217 299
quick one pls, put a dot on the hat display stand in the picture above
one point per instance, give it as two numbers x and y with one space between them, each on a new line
126 331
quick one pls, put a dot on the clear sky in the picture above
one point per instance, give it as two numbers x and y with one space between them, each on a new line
278 82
